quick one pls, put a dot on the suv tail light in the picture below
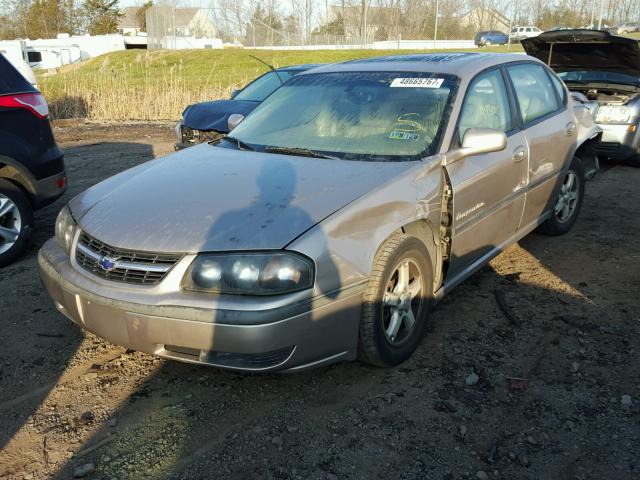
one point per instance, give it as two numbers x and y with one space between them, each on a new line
34 102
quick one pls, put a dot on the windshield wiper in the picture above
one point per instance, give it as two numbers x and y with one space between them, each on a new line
241 145
302 152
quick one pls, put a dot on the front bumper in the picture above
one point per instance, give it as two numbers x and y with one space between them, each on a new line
324 332
619 142
188 137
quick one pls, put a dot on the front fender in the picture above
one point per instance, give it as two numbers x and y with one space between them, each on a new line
344 245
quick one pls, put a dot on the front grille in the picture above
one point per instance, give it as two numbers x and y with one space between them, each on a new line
129 266
190 135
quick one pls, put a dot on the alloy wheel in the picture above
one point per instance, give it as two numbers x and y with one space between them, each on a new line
568 197
401 301
10 223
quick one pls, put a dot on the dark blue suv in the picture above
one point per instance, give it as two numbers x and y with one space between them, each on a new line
490 37
32 171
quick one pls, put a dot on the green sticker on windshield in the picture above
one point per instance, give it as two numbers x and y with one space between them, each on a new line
398 135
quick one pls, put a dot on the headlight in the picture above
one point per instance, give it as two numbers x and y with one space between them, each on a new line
249 273
613 114
65 229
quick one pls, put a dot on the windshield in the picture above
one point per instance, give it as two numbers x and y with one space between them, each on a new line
353 115
264 86
588 76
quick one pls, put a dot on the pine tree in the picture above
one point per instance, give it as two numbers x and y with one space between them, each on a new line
101 16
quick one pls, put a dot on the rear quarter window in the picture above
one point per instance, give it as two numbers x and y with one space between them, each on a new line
559 86
11 81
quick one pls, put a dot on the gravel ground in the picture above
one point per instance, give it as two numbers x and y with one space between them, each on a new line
561 313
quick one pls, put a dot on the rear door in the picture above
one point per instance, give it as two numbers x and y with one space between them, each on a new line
488 189
550 132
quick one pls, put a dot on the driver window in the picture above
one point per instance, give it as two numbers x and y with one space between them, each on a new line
486 104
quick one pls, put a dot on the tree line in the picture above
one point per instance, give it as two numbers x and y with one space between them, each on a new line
47 18
293 22
268 22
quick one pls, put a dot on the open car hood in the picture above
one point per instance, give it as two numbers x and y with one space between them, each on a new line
569 50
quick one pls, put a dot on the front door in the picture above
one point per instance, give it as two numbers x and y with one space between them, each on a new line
488 189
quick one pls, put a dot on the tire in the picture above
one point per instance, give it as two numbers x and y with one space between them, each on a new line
568 199
375 343
16 217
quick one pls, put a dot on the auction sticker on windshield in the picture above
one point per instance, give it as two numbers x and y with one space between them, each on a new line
417 82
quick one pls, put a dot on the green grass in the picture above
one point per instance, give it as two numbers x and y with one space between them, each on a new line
151 85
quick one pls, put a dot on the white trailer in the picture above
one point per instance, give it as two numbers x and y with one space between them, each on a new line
16 52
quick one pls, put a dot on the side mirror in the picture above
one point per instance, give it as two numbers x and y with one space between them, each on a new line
234 120
234 93
477 141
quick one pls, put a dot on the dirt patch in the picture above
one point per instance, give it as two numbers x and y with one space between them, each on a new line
561 313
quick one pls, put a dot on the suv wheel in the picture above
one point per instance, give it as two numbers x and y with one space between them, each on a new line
568 202
395 302
15 222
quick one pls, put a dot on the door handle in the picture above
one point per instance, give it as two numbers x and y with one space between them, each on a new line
570 129
519 154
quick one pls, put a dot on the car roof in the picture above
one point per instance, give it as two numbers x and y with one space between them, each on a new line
461 64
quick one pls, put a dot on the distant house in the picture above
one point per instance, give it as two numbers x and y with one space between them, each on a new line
128 23
178 22
371 25
484 18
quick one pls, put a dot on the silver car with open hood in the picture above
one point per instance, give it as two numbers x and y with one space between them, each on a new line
604 71
331 219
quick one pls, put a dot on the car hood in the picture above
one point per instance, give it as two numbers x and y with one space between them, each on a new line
214 115
569 50
208 198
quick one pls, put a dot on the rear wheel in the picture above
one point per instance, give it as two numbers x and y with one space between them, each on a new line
568 201
15 222
395 302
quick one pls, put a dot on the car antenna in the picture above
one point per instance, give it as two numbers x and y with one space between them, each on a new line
270 68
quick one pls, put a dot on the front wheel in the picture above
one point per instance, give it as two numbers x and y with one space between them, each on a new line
568 201
15 222
395 302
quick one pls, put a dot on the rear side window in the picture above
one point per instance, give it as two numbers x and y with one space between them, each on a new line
534 91
486 104
11 81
